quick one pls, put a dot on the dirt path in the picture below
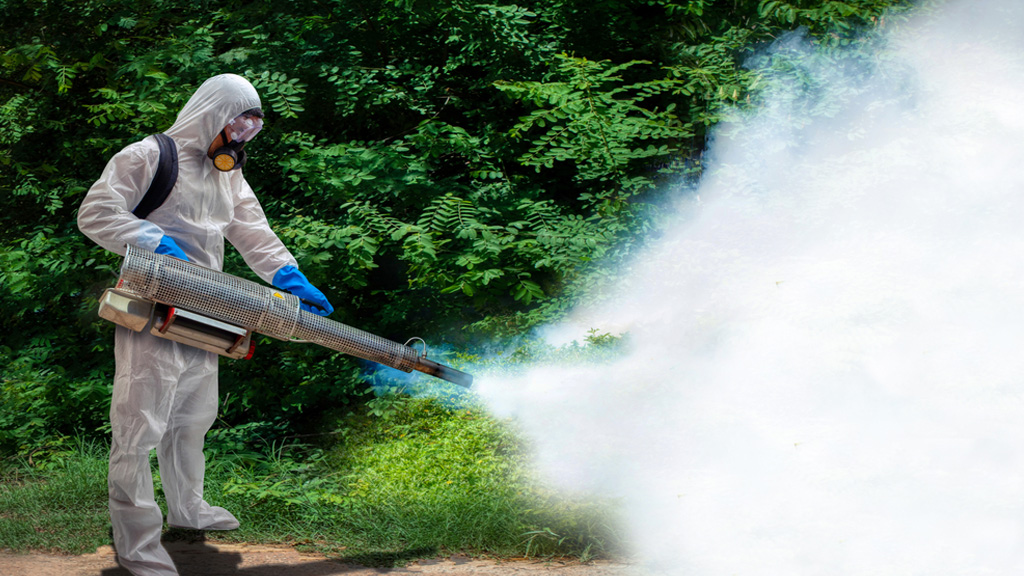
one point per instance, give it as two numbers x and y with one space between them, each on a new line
221 559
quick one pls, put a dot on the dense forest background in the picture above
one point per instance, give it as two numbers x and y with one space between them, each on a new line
456 171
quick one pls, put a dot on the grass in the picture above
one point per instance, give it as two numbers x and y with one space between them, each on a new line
407 478
59 507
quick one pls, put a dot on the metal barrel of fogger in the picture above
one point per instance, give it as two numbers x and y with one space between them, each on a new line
262 309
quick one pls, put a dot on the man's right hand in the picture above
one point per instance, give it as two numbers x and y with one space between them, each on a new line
311 299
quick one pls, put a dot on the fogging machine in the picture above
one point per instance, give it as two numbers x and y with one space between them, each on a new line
218 312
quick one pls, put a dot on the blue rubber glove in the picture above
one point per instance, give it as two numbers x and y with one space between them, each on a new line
289 278
169 247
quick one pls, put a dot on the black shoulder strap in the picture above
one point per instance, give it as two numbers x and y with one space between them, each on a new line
164 179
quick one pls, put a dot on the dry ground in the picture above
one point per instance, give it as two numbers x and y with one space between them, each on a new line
221 559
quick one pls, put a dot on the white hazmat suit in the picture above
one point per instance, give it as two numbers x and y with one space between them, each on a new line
165 393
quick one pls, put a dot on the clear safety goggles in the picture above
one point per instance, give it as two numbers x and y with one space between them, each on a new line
243 128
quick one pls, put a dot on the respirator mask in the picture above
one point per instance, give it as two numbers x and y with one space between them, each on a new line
242 129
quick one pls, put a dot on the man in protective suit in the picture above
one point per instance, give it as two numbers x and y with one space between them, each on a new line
165 393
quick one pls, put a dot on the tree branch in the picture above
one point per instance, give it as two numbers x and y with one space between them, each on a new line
18 84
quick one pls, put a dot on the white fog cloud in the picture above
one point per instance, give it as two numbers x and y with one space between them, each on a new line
826 374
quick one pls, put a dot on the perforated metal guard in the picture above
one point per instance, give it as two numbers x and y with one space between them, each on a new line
253 306
343 338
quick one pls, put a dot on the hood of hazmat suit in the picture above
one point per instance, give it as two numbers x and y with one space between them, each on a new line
165 393
204 207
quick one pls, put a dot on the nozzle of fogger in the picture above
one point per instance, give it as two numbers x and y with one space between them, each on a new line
443 372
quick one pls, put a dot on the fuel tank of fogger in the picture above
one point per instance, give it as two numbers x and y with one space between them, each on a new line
238 302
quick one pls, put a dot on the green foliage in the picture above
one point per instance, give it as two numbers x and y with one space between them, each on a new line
282 93
593 121
455 171
834 19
